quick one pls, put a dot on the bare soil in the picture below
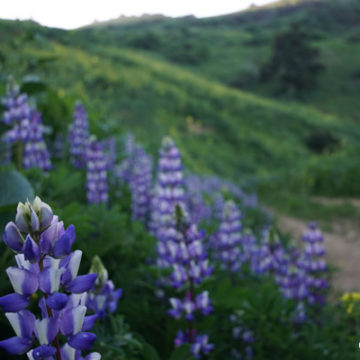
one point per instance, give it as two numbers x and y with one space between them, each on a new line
342 244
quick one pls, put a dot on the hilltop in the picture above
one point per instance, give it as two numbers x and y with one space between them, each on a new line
223 130
233 48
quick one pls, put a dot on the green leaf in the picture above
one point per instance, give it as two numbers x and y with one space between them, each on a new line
181 353
150 353
14 188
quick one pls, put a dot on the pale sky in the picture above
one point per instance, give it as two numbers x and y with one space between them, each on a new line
70 14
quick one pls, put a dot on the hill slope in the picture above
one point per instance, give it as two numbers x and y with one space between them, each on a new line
221 130
233 48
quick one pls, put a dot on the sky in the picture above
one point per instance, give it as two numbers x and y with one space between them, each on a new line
70 14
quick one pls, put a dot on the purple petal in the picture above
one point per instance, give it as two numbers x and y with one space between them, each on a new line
42 352
72 320
93 356
31 250
46 330
13 302
50 280
57 301
48 238
62 247
46 215
22 322
82 341
81 283
13 238
89 322
71 263
16 345
34 220
24 282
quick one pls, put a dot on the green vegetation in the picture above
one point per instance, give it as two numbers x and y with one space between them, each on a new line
121 71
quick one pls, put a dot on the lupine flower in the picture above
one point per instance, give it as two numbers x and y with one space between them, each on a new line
36 154
140 185
228 239
246 336
79 136
168 193
46 269
313 262
16 105
96 180
189 268
17 113
103 297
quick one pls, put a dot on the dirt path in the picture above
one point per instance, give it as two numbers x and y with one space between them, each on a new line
342 246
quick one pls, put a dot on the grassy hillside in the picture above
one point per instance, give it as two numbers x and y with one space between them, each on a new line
233 48
220 130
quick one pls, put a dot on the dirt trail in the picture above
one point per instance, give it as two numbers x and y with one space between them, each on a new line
342 246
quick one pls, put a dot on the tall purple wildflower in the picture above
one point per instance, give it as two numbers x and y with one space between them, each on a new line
313 262
36 154
140 185
79 136
96 180
46 270
169 188
190 266
103 297
228 239
17 115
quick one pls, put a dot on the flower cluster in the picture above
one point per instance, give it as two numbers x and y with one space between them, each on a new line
228 239
17 114
245 336
36 154
47 270
169 189
140 185
96 180
79 136
313 262
103 297
190 267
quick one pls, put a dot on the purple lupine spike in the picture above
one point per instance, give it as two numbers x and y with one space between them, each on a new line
17 115
50 272
96 180
79 136
103 297
313 262
36 154
189 264
168 193
140 185
243 335
228 240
